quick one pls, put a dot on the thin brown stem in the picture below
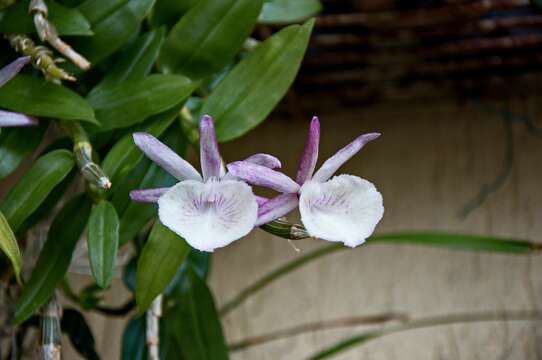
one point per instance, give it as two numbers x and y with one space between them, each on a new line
153 334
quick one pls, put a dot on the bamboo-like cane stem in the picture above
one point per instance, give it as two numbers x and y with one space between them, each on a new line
153 328
50 330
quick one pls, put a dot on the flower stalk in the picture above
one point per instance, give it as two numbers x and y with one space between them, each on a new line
50 330
286 230
42 57
47 32
82 151
153 328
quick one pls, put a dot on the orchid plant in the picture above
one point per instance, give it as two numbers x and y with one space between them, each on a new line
11 118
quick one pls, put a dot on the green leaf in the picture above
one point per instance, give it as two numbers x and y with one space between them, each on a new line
16 19
167 12
35 185
133 340
54 258
124 155
129 103
158 263
135 62
8 244
208 36
253 88
113 23
194 320
16 144
36 96
73 324
288 11
103 242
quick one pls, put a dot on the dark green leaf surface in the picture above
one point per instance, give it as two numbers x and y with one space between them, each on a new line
35 185
208 36
73 324
168 12
251 90
133 340
113 23
288 11
16 19
158 263
36 96
54 258
103 242
129 103
9 246
124 155
16 144
195 321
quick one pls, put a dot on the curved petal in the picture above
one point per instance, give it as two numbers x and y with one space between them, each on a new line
269 161
8 118
209 155
9 71
276 208
331 165
209 215
168 160
148 195
261 176
344 209
310 154
261 200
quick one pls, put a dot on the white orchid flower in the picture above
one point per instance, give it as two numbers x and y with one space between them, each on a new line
345 208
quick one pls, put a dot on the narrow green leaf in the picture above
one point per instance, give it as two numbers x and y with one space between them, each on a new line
35 185
103 242
67 21
195 321
129 103
133 340
97 10
16 144
36 96
158 263
208 36
253 88
135 62
54 258
288 11
113 30
124 155
73 324
8 244
167 12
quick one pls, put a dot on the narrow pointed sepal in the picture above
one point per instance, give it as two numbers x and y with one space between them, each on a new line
9 71
148 195
262 176
209 155
276 207
269 161
310 154
13 119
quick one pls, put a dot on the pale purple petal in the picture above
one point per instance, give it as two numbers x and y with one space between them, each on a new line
261 176
276 208
269 161
261 200
209 155
8 119
331 165
148 195
165 157
344 209
9 71
209 215
310 154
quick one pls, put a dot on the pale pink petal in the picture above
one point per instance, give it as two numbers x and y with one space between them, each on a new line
310 154
148 195
12 119
209 155
269 161
9 71
276 208
261 176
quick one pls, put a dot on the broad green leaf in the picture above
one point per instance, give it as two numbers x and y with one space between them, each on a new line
111 29
54 258
16 19
103 242
129 103
34 186
253 88
133 340
16 144
208 36
9 246
196 260
167 12
36 96
73 324
288 11
124 155
194 320
158 263
135 62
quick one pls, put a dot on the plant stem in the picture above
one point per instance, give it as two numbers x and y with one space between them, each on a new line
153 328
50 330
286 230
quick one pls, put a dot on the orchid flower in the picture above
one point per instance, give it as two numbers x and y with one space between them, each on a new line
9 118
209 210
345 208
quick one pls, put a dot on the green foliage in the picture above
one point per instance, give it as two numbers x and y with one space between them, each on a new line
13 151
288 11
9 246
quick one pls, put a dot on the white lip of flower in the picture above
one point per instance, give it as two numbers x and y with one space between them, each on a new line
209 211
345 208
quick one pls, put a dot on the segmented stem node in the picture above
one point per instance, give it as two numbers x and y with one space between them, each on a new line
50 330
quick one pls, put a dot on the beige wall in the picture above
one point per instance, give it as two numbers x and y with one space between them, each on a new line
430 161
